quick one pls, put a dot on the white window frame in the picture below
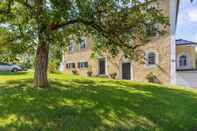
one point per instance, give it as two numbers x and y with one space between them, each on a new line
126 60
188 66
69 62
83 67
183 62
147 65
106 66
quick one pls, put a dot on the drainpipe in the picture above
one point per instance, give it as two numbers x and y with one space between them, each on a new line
173 22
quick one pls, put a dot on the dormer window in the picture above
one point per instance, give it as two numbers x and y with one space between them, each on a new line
82 44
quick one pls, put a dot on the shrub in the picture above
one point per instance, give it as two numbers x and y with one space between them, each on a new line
75 72
52 67
113 75
89 73
152 78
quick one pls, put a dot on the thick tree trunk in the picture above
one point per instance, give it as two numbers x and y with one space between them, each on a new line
41 65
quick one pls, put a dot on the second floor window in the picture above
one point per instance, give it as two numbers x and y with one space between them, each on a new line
82 44
71 46
152 29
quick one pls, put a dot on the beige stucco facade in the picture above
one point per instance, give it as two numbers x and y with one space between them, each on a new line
190 52
164 47
138 71
161 47
167 52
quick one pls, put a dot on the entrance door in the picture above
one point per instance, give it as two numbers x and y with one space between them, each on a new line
126 71
102 66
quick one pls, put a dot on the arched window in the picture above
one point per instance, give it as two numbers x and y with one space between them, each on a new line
151 58
183 61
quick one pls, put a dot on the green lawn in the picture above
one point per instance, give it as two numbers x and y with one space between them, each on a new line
77 104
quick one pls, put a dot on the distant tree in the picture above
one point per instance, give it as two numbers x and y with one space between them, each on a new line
117 25
12 48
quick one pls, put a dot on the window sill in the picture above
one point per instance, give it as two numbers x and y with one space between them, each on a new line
102 75
151 66
82 68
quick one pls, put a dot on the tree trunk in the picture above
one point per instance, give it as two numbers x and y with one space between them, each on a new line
41 62
41 65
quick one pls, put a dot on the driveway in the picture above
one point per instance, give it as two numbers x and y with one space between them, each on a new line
186 78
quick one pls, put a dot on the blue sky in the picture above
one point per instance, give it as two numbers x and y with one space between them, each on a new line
187 21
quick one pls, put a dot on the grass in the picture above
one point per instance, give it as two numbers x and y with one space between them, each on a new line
96 104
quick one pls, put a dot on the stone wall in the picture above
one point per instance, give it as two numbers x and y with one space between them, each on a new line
161 45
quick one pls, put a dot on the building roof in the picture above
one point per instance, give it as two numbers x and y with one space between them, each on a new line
184 42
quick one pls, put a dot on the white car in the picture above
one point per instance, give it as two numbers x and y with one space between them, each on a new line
9 67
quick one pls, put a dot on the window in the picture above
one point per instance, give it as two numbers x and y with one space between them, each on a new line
82 44
73 65
71 46
70 65
151 59
183 61
152 29
83 65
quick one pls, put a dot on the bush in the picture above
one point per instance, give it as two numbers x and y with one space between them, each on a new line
113 75
75 72
52 68
152 78
26 65
89 73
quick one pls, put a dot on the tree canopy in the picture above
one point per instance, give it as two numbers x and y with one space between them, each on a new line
116 25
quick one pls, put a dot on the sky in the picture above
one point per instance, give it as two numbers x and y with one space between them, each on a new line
187 21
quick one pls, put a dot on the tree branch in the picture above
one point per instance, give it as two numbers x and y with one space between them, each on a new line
97 27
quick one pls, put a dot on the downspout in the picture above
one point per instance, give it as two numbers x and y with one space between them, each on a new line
174 4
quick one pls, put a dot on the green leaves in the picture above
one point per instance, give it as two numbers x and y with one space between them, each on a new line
116 25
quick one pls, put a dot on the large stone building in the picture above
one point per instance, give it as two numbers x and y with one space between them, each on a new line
160 56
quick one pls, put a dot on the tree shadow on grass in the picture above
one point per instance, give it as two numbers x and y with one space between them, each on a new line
83 105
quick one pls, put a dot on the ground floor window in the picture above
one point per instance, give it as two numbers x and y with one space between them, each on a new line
151 59
82 65
183 61
70 65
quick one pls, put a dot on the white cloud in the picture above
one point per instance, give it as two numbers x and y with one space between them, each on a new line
183 19
193 15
